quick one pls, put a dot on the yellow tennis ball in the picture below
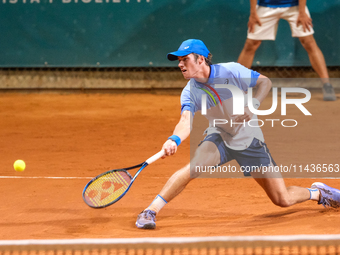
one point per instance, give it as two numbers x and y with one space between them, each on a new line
19 165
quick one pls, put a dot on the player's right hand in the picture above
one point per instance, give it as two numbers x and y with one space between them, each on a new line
247 116
169 147
253 20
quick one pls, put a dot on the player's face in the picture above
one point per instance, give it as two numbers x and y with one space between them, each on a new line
189 66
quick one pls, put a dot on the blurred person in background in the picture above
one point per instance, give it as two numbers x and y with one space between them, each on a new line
262 25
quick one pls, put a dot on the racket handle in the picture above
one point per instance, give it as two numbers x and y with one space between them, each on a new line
155 157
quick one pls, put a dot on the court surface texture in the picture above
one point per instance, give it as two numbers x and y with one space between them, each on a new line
65 139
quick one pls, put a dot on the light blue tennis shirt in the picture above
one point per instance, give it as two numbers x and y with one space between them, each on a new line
236 136
278 3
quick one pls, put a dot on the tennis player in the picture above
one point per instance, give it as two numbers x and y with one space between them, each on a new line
224 143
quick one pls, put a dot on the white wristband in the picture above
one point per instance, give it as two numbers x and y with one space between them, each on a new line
256 103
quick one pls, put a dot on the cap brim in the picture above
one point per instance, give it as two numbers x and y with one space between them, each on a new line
174 55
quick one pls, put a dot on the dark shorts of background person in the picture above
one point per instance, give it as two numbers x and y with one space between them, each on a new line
256 155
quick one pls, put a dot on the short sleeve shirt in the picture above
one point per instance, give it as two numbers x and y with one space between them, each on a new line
219 102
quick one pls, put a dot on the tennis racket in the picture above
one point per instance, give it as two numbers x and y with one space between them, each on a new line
109 187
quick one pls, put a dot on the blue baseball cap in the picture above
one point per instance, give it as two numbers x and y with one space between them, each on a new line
187 47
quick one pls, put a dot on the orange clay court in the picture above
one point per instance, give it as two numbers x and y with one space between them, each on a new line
83 135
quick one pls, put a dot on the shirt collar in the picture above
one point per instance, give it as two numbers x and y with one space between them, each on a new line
210 79
212 72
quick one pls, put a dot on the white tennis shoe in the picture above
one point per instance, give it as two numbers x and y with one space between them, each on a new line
146 219
328 196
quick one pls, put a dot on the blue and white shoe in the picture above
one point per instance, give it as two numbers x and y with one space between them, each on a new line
146 219
328 195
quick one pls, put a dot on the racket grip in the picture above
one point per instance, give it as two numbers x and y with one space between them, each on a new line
155 157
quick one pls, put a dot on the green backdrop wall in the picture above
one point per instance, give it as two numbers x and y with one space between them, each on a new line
139 33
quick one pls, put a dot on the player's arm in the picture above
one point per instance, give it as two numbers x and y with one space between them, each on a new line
262 88
181 131
253 17
303 19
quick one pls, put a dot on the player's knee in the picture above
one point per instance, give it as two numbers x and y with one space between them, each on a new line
197 164
251 45
201 165
194 174
195 169
282 202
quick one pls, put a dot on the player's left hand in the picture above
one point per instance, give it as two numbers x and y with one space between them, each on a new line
248 115
305 21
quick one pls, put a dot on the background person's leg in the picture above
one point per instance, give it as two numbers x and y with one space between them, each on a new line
318 63
248 52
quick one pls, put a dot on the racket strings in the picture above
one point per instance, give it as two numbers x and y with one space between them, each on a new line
107 188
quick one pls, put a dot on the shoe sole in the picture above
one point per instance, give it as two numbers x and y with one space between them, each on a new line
146 226
329 98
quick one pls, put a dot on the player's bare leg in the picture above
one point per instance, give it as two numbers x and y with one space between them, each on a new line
247 54
182 177
274 185
318 63
177 182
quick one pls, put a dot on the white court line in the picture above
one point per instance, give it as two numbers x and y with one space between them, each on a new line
171 240
42 177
